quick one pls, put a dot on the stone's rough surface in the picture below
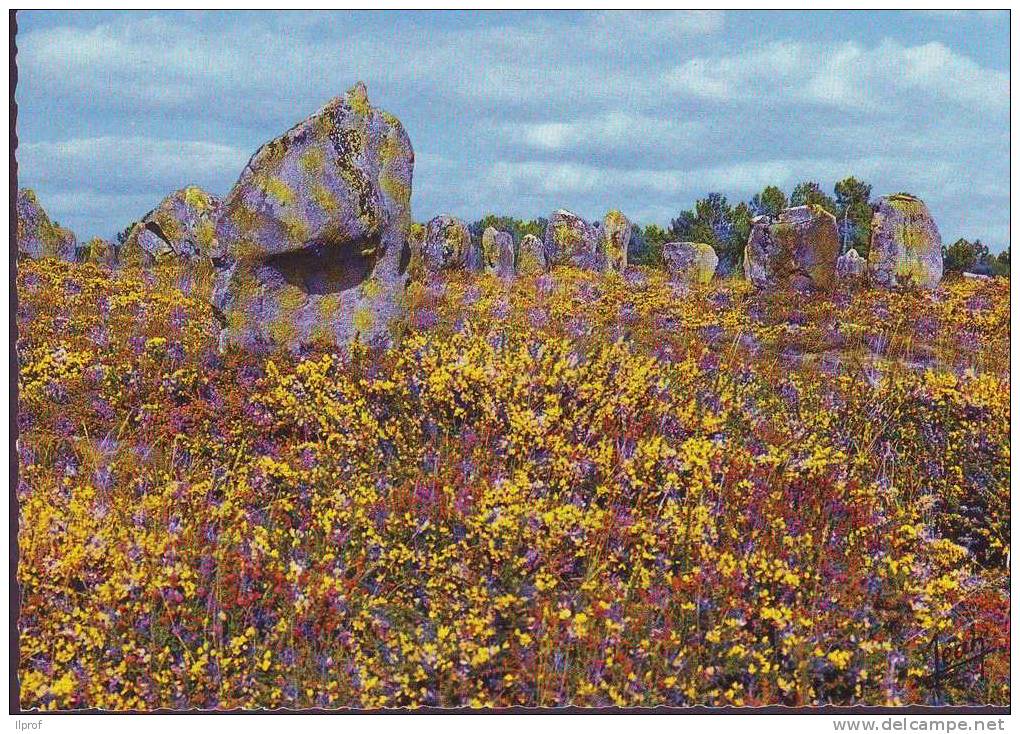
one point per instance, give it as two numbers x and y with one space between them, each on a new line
98 251
690 262
531 259
799 249
613 238
181 229
498 251
851 267
415 245
314 234
569 240
446 244
474 262
39 237
906 248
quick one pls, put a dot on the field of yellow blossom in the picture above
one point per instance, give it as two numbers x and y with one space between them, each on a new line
570 489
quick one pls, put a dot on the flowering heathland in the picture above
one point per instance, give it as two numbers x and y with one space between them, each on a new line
567 489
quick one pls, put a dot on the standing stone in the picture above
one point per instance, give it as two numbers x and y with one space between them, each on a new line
690 262
446 244
181 229
851 267
569 240
38 237
613 239
797 249
415 244
531 260
906 248
99 252
315 231
498 251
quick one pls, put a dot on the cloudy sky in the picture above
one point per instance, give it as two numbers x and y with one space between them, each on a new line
524 112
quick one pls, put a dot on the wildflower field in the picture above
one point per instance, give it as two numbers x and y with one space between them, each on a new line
569 489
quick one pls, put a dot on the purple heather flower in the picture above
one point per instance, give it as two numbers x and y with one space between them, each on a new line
578 326
635 278
712 333
545 283
538 317
425 319
471 295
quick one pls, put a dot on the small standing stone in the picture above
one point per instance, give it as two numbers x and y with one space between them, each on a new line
498 251
690 262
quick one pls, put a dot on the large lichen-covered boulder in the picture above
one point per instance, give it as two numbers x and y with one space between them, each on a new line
690 262
797 249
570 240
314 234
38 236
612 241
99 252
851 267
906 248
531 259
498 252
181 229
446 244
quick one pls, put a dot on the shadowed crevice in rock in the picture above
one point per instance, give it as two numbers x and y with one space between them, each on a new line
326 267
157 230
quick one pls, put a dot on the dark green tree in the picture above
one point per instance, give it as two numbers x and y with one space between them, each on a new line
1002 263
646 245
853 215
770 201
716 223
809 192
963 256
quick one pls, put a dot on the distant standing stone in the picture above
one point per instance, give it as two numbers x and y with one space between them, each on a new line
99 252
851 267
498 251
613 239
531 259
798 249
569 240
181 229
38 236
906 248
446 244
690 262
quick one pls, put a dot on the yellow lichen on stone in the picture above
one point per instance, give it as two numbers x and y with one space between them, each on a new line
323 198
371 288
282 330
328 306
357 99
296 228
397 189
197 199
313 161
205 235
363 319
291 298
279 190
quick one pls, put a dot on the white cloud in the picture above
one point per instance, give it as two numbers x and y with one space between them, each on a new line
617 130
888 76
140 160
